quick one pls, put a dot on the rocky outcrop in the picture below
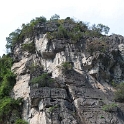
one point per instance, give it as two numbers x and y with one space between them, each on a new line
77 96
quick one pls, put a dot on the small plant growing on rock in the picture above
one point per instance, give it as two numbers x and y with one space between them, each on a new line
20 121
119 94
110 107
65 67
34 67
30 47
101 116
51 109
43 80
114 84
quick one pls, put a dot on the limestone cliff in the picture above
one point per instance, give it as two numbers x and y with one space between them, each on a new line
76 95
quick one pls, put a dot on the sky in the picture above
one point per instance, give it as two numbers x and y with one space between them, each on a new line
15 12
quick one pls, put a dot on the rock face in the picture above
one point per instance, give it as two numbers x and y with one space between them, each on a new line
77 96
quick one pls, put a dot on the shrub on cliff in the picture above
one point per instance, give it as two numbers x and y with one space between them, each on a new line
67 28
65 67
20 121
33 68
43 80
55 17
30 47
19 35
119 94
110 107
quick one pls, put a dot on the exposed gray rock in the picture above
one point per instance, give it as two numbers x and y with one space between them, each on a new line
78 96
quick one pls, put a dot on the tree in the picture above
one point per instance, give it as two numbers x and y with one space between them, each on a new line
55 17
103 28
100 28
12 39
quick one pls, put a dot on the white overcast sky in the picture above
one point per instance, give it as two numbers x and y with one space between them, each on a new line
15 12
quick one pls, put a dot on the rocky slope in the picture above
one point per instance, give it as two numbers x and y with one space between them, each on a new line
76 95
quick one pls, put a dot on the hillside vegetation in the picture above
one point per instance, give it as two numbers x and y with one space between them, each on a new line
54 28
66 28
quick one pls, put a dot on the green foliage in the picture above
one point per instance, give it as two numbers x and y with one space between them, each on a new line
12 39
5 65
7 77
34 67
103 29
114 84
75 34
20 34
20 121
49 36
44 80
65 67
51 109
102 117
67 28
100 28
55 17
110 107
28 29
30 47
7 106
62 33
119 94
92 33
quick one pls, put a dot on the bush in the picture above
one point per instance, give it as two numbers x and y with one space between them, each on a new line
119 94
51 109
55 17
30 47
20 34
114 84
34 68
66 66
62 33
44 80
50 36
110 108
20 121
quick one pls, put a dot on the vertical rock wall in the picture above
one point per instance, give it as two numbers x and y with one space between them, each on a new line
77 96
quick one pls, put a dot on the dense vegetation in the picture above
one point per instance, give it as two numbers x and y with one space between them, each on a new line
44 80
7 78
10 109
26 31
55 28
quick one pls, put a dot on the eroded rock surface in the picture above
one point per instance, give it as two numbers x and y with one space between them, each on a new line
78 96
